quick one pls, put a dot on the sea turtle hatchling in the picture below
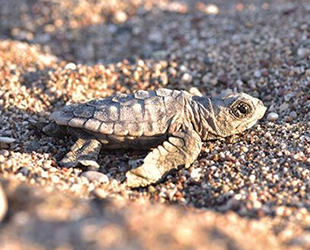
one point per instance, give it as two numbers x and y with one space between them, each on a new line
172 123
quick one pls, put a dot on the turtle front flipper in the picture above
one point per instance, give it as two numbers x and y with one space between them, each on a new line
84 152
181 148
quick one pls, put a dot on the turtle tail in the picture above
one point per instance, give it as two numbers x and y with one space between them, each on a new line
51 129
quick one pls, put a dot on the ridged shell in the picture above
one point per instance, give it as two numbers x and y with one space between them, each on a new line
143 113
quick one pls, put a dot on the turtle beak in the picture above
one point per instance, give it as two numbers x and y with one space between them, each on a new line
260 110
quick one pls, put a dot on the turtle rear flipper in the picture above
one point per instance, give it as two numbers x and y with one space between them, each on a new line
181 148
84 152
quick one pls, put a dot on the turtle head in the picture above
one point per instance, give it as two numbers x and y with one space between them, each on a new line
236 112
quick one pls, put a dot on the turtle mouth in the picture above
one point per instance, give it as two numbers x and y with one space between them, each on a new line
242 127
263 110
251 124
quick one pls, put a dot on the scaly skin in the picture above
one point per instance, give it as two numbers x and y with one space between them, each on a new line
173 121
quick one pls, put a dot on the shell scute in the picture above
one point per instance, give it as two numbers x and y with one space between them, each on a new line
84 111
163 92
92 124
77 122
70 108
99 103
121 98
142 94
64 118
132 112
102 115
106 128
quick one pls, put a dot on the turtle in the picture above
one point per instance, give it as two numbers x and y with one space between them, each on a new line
172 124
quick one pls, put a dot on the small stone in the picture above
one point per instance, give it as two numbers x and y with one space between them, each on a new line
244 149
303 52
194 173
156 37
212 9
4 152
33 146
7 140
257 204
267 135
239 83
238 197
44 174
272 116
95 176
206 79
183 68
282 211
120 17
225 188
24 171
284 106
257 74
55 178
71 66
151 189
47 164
273 161
252 178
172 71
187 78
293 114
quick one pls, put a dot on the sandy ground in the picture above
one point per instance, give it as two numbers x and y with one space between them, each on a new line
249 192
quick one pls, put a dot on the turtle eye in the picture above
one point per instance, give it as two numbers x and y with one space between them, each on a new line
241 109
